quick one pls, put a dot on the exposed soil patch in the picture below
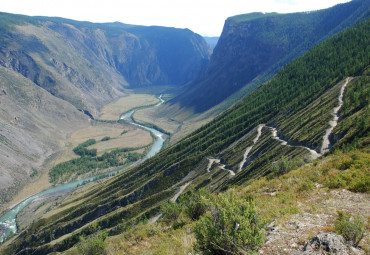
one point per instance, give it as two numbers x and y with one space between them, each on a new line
289 236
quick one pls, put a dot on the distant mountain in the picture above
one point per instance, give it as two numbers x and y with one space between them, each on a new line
54 70
89 64
253 47
212 41
280 125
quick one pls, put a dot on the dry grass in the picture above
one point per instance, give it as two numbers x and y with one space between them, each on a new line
133 138
150 115
173 119
30 189
153 239
113 110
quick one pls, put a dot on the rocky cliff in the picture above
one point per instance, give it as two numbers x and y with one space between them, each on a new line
253 47
90 64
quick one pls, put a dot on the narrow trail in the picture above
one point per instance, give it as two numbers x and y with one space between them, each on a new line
154 219
314 154
326 145
246 153
210 163
222 166
231 172
179 192
172 200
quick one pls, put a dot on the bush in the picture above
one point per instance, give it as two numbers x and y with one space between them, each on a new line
195 203
94 244
356 180
231 226
171 211
106 138
306 185
352 228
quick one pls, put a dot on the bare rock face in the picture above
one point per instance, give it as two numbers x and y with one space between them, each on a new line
327 243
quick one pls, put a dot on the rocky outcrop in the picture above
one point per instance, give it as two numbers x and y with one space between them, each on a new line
328 243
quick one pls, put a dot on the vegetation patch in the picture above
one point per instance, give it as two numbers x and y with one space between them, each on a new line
93 244
351 227
89 161
106 138
81 150
231 226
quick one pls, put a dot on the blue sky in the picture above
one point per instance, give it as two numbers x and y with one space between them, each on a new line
205 17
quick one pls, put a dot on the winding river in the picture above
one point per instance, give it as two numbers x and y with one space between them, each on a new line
8 224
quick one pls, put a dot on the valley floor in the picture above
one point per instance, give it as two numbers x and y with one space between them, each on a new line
121 136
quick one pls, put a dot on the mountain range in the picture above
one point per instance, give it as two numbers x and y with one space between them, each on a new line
90 64
276 128
69 67
295 93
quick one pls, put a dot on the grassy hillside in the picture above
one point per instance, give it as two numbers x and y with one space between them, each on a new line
294 207
311 82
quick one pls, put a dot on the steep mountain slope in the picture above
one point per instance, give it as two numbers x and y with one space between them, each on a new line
212 41
304 92
89 64
253 47
33 125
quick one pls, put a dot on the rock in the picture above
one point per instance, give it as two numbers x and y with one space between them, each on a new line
271 226
326 243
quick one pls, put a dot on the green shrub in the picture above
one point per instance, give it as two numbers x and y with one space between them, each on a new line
356 180
106 138
83 151
231 226
306 185
283 166
171 211
352 228
195 203
93 244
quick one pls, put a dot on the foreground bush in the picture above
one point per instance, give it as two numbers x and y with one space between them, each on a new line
94 244
195 203
231 226
352 228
